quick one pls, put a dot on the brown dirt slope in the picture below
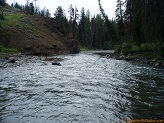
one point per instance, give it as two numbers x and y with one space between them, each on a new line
35 35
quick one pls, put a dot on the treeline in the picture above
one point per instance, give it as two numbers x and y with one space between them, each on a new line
90 31
29 8
93 32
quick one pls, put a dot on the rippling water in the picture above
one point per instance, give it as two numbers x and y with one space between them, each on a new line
87 88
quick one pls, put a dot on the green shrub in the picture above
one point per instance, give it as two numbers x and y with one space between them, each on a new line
7 50
126 48
4 36
117 48
84 48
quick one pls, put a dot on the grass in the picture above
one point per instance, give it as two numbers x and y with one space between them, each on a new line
84 48
11 16
29 30
13 20
10 20
6 51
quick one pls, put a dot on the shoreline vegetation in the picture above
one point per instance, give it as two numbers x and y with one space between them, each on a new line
148 53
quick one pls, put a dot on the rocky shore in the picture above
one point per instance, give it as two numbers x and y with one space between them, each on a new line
157 61
19 59
154 61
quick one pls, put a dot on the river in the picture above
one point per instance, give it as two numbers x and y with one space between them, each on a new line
87 88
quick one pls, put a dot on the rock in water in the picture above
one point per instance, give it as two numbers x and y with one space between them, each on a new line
12 61
54 63
158 63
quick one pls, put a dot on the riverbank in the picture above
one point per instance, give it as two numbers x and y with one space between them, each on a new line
151 60
14 60
146 53
155 61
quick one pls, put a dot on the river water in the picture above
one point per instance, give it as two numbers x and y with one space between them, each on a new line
87 88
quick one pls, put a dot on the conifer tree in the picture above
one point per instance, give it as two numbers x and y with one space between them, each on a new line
59 13
119 18
47 14
2 2
31 8
111 29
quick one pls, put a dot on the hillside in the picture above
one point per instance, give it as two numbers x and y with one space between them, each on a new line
34 35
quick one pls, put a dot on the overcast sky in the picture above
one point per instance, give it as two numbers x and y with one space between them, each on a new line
108 5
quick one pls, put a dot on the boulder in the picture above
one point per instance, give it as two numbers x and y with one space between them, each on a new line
128 58
12 61
158 63
55 63
120 57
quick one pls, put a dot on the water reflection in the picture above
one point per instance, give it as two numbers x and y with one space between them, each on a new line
86 88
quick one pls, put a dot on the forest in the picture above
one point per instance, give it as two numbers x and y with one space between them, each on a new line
138 26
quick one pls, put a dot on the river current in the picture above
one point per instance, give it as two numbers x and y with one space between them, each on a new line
87 88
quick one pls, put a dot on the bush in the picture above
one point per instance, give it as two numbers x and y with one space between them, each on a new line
4 36
7 50
117 48
126 48
1 17
154 49
1 13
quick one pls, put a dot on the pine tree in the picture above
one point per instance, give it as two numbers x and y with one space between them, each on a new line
61 19
2 2
47 14
27 7
43 12
119 18
111 29
31 8
81 27
93 32
74 24
71 12
59 13
88 29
